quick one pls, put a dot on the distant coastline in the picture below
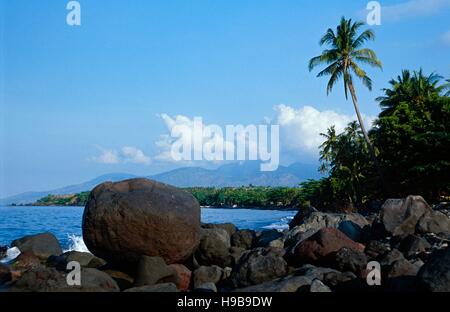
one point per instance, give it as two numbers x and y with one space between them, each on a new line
274 208
250 197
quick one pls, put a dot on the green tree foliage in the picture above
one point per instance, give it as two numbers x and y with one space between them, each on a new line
248 197
229 197
345 158
413 135
413 140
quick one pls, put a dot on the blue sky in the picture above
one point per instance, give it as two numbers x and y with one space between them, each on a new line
70 95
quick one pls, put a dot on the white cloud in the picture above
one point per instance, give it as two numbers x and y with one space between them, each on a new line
126 154
190 135
134 155
413 8
445 38
301 128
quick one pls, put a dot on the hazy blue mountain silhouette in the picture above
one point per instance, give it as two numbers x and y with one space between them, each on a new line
235 174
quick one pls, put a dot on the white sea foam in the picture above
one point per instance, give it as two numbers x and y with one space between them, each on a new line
281 225
11 254
76 244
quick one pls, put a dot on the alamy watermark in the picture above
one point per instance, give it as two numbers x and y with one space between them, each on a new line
73 18
374 15
373 273
252 142
73 278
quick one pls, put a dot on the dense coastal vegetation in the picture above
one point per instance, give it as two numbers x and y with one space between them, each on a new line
230 197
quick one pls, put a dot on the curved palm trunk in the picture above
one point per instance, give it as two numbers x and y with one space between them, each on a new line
366 137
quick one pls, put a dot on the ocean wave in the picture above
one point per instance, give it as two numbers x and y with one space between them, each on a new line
281 225
76 243
11 254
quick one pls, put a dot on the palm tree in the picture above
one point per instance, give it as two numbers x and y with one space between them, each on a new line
345 52
413 88
447 87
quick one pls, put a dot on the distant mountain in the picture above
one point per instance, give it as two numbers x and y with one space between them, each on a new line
31 197
236 174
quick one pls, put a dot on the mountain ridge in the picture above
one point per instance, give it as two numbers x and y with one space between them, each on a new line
229 175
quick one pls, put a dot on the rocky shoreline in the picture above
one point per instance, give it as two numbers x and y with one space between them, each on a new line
147 237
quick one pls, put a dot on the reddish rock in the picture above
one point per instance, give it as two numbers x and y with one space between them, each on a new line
184 276
125 220
5 274
322 245
25 261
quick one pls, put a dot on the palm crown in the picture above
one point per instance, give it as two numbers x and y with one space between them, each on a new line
344 55
411 87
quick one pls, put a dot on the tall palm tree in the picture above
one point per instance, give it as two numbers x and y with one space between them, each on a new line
342 57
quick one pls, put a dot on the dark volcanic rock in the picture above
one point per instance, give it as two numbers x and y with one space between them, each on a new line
351 260
25 261
236 253
127 219
316 221
400 216
123 280
230 228
318 287
85 259
5 274
435 274
214 248
44 279
289 283
402 267
258 266
322 245
243 239
413 245
42 245
206 288
95 280
207 274
267 237
301 215
389 258
375 249
433 222
329 276
153 270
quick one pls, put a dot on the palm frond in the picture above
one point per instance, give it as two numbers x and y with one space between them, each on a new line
363 38
333 79
328 38
329 70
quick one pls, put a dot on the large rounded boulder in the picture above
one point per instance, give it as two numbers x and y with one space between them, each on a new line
125 220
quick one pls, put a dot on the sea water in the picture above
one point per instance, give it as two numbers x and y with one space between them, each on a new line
65 223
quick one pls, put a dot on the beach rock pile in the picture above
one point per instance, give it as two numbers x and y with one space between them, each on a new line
166 249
